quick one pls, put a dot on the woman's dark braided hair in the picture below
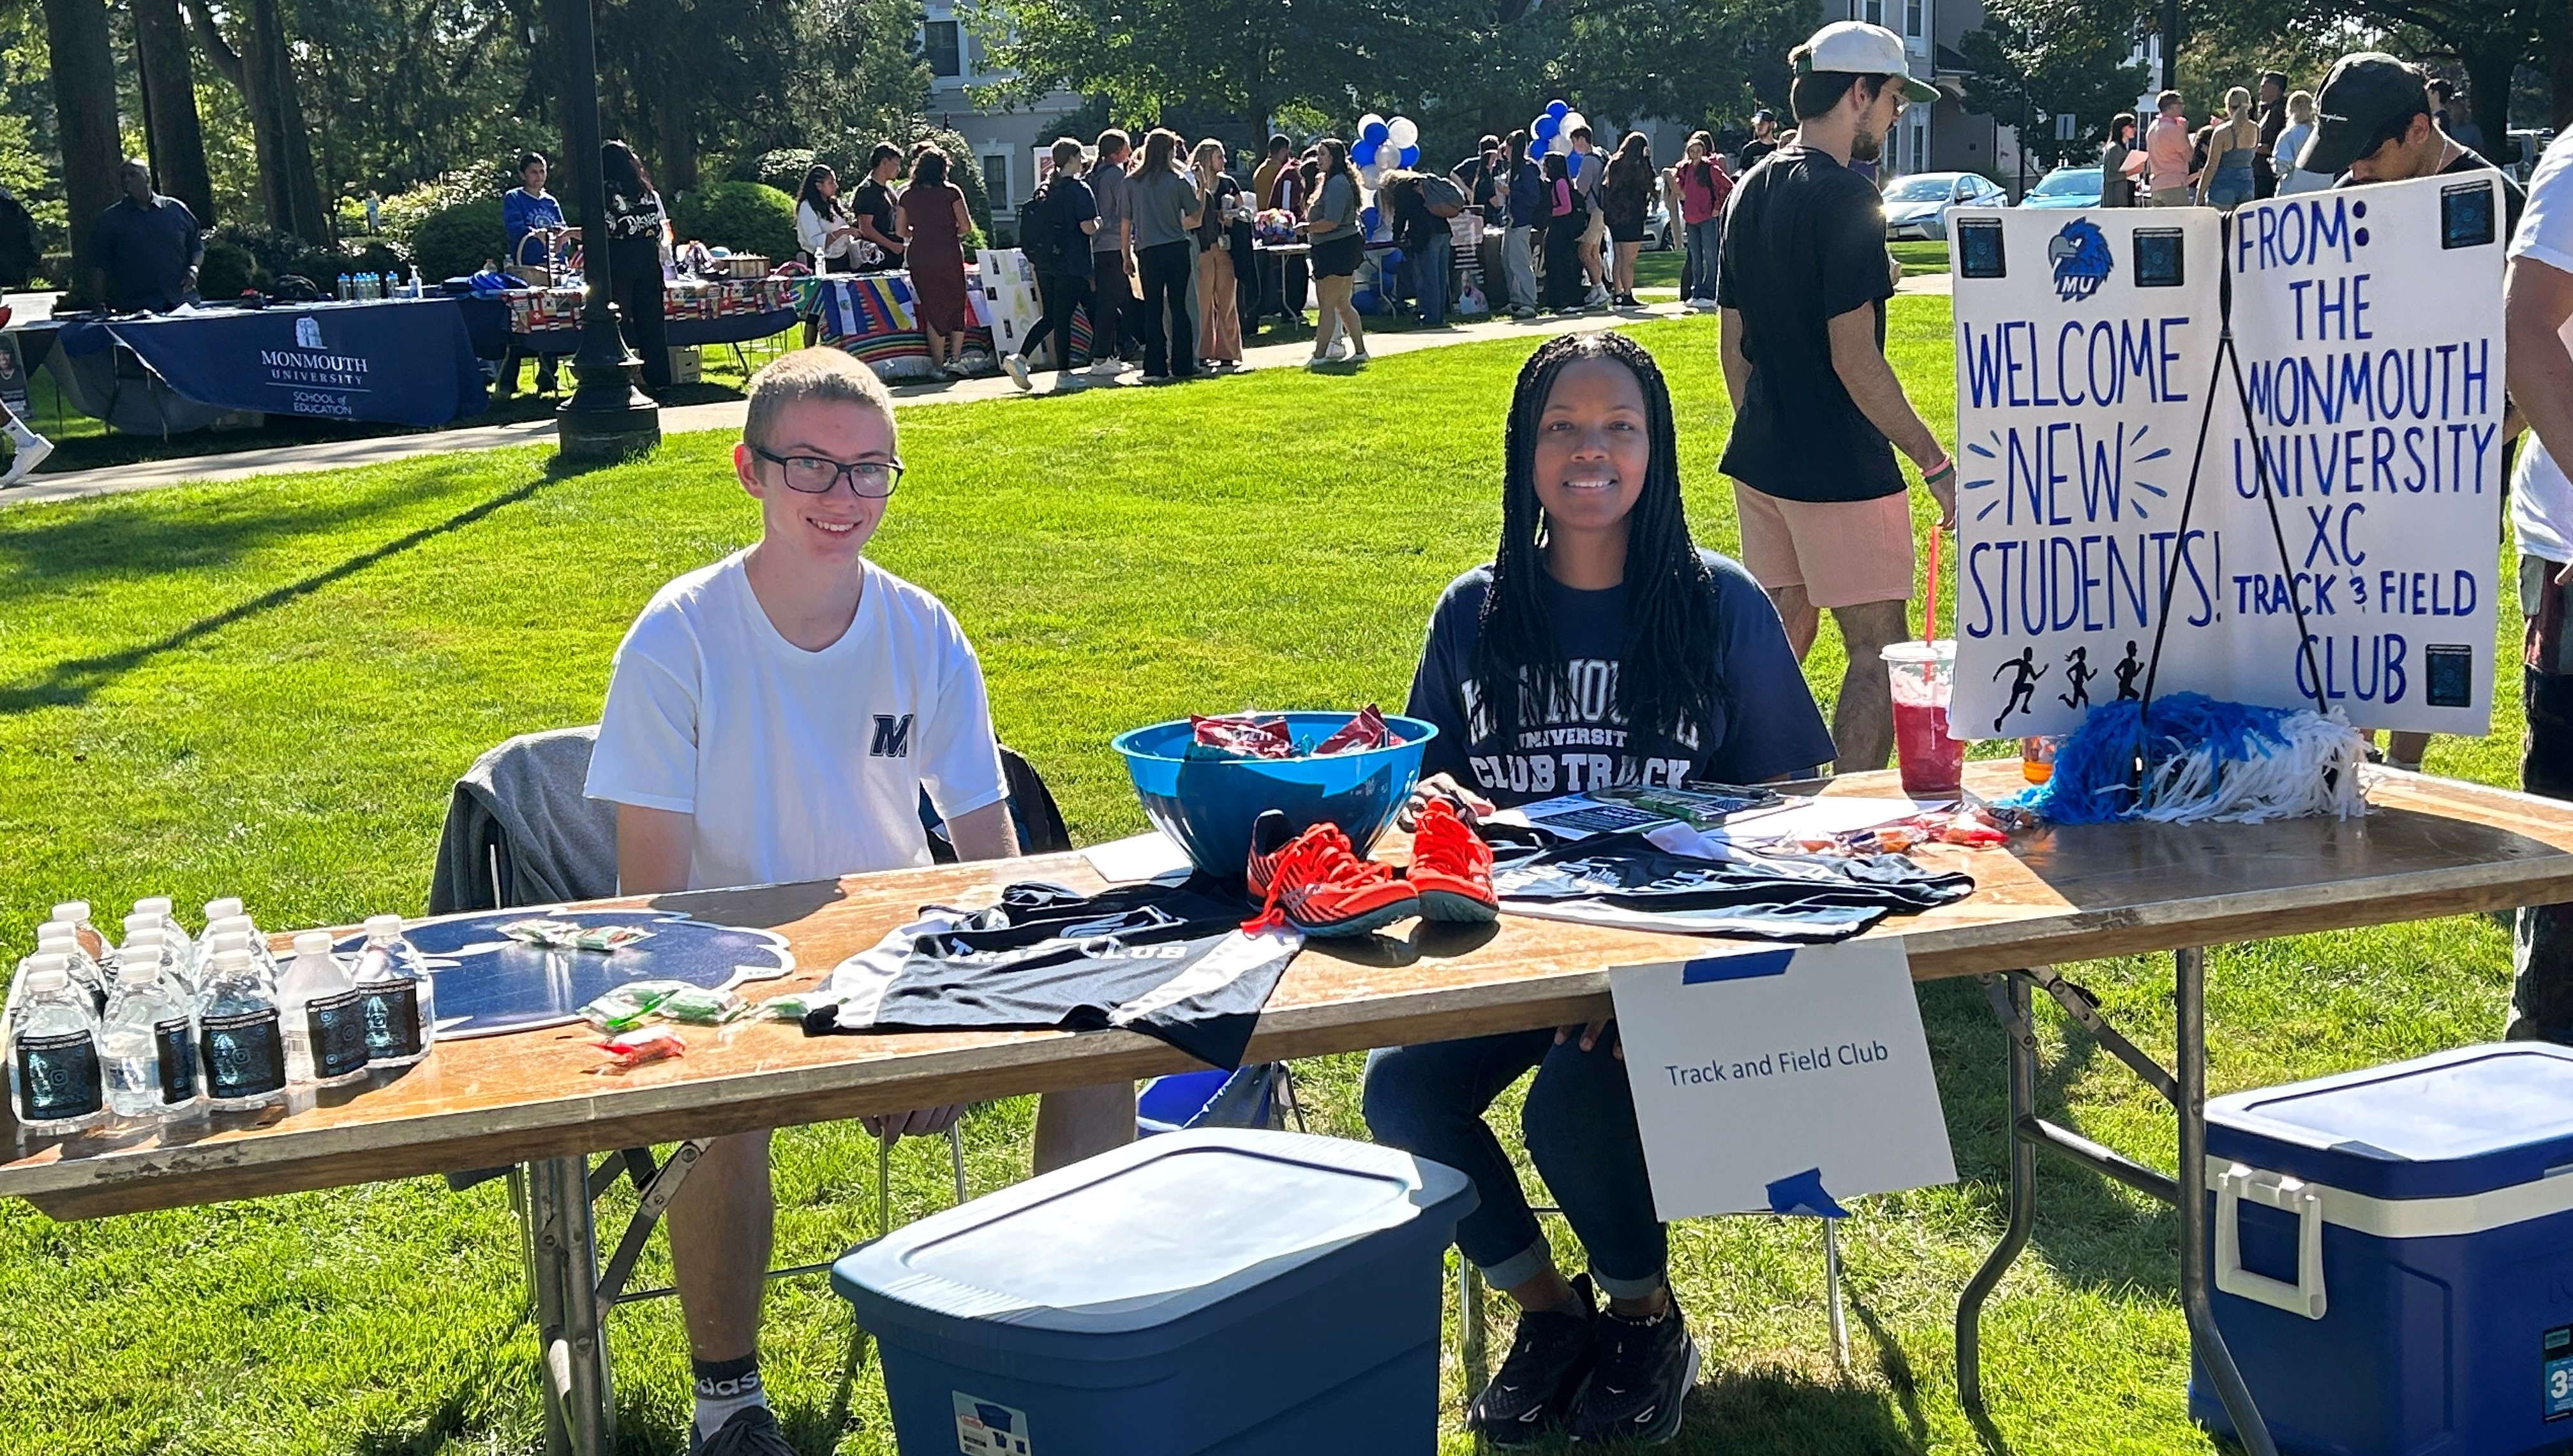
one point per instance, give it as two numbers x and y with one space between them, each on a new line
1671 677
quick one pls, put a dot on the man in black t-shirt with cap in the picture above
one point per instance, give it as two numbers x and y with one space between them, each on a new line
1817 411
2373 122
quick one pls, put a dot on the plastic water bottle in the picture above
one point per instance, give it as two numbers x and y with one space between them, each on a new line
419 286
226 913
340 290
55 1084
176 952
395 990
75 913
62 938
326 1029
149 1039
240 1039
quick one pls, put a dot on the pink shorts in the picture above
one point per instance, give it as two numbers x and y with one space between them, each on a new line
1842 552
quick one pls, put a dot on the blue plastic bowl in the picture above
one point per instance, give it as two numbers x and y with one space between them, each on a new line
1209 806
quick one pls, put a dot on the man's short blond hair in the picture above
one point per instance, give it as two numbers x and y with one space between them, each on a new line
827 375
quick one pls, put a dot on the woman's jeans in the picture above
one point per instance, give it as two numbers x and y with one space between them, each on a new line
1697 272
1579 1127
1520 266
1170 303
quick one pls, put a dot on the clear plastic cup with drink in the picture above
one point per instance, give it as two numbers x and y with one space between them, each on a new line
1932 764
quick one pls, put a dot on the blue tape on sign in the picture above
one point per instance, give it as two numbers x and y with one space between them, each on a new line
1803 1193
1736 967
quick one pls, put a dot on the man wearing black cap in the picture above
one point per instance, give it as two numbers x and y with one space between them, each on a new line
1764 138
2372 123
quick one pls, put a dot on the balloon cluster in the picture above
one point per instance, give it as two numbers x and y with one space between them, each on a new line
1382 145
1552 130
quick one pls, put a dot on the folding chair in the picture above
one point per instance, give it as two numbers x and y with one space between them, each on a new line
485 864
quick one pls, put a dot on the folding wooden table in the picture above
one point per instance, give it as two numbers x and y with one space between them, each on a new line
2432 848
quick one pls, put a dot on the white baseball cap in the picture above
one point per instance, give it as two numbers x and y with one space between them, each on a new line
1867 50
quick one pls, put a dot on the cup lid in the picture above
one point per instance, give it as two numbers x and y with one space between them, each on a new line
1915 654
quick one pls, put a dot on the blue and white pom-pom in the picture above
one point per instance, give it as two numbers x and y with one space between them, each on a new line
2204 760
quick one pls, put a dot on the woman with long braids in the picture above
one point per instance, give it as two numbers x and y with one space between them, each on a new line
1601 648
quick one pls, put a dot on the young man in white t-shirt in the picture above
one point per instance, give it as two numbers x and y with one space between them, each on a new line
775 717
2538 309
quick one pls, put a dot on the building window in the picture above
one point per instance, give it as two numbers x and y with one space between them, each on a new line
996 180
1912 16
1920 141
1876 12
946 56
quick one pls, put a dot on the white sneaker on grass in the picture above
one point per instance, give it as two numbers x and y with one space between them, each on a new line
1017 365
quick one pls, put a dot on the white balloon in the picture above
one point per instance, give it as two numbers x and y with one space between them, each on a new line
1367 176
1572 122
1402 132
1367 121
1562 142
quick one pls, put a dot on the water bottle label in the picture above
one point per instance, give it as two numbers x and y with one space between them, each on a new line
175 1039
338 1025
245 1054
393 1021
60 1076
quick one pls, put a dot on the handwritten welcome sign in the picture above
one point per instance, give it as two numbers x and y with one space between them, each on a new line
2367 325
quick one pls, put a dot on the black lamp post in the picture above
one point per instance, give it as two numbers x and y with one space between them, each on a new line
607 417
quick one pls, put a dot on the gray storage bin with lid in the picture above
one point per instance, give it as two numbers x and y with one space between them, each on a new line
1241 1291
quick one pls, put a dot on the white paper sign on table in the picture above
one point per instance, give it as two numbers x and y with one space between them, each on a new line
1783 1080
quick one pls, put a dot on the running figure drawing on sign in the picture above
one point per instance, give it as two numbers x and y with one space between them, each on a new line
2128 671
2078 672
2023 688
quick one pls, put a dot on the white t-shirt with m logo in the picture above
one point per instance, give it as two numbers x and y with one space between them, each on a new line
796 765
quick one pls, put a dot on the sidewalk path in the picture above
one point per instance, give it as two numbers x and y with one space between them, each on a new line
728 414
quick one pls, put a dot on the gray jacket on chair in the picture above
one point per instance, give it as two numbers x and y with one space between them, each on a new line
521 832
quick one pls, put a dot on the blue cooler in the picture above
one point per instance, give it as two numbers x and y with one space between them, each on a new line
2393 1255
1251 1292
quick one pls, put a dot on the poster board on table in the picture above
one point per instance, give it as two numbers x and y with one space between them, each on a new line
2366 327
1777 1079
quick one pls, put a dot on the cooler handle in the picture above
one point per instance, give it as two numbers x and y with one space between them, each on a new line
2287 1195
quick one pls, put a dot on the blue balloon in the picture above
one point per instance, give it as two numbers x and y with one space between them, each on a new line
1374 133
1572 164
1368 218
1536 152
1362 153
1547 126
1409 155
1557 109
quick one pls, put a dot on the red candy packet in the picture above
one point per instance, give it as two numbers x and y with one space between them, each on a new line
1363 731
633 1049
1244 736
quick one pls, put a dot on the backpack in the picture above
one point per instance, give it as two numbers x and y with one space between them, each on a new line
1441 196
1039 236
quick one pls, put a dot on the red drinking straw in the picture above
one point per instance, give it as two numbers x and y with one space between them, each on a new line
1930 590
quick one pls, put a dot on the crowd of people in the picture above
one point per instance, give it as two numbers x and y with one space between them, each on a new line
2275 142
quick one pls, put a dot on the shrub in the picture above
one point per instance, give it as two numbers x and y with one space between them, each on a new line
403 212
746 217
458 240
783 169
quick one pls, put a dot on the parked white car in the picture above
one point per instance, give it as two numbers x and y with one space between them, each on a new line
1916 205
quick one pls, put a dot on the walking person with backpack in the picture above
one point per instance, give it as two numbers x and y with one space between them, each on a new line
1524 196
1054 229
1701 185
1566 216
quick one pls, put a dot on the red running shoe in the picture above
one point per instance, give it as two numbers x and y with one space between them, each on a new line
1317 884
1451 868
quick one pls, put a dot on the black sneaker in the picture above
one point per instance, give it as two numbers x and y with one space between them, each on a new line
1534 1390
752 1431
1642 1375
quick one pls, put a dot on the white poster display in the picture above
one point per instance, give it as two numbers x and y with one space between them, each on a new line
1781 1080
2366 326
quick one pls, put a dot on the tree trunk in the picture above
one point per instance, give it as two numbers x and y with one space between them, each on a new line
84 71
2488 71
288 197
677 120
170 106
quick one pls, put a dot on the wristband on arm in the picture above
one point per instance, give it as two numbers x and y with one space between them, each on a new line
1946 469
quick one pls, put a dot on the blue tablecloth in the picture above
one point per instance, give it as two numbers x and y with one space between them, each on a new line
395 361
487 320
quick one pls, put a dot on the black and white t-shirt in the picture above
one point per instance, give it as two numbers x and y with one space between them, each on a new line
1627 880
1168 960
795 765
1766 727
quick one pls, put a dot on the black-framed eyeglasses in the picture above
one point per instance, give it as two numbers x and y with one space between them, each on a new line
816 474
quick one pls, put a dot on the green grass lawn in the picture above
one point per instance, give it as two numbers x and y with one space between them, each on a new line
264 688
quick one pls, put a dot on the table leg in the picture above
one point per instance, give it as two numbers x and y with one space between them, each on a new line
2011 1003
572 1365
2190 995
1471 1352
